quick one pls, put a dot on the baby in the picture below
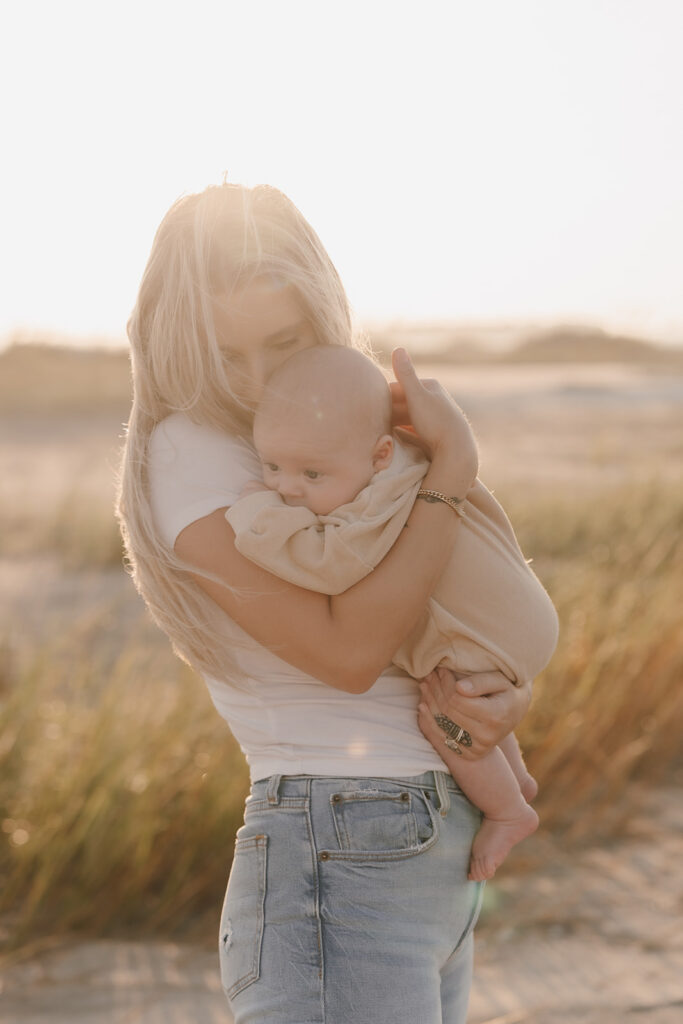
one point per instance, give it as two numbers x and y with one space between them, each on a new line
339 487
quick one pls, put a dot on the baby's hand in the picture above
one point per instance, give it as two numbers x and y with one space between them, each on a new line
253 487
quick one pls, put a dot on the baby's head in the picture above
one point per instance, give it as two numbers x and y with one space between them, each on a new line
323 427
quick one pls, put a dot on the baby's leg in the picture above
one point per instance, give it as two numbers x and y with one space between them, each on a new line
527 783
491 785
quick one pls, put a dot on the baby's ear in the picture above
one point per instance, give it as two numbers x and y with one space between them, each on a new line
383 453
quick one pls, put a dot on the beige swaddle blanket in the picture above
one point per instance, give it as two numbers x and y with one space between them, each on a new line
488 610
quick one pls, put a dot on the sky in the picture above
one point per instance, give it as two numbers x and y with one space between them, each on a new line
497 159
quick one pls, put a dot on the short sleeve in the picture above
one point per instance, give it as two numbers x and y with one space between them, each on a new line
193 469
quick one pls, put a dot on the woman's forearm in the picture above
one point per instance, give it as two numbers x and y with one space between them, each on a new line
347 640
380 611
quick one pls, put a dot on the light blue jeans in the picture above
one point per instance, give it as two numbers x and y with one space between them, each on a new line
348 902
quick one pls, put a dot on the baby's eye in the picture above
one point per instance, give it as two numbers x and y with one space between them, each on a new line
272 467
312 474
286 343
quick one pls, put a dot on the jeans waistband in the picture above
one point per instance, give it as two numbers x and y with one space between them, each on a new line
277 786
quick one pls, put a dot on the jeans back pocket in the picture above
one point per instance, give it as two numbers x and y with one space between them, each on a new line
242 917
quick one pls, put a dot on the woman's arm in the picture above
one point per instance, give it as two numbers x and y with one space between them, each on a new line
487 705
348 640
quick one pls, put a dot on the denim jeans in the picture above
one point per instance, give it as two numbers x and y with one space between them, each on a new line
348 902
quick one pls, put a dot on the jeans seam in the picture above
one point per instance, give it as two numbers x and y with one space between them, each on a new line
472 920
412 822
318 919
340 829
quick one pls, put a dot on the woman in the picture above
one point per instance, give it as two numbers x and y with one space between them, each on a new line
348 898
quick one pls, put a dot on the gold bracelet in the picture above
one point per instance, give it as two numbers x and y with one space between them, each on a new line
454 503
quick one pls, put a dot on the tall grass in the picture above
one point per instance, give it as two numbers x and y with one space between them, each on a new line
608 711
120 793
121 789
77 528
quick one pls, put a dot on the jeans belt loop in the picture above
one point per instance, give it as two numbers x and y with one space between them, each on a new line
442 793
272 794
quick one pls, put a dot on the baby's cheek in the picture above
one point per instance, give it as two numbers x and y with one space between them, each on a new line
253 487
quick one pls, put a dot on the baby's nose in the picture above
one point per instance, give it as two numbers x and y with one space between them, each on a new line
289 487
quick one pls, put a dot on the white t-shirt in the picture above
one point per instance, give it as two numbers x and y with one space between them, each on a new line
285 721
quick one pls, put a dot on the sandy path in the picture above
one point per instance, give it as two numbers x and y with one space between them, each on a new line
595 938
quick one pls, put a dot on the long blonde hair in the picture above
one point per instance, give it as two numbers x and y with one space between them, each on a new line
207 244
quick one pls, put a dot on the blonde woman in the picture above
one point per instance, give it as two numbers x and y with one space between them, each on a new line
348 898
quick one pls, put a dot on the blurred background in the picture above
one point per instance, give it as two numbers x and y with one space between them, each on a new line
499 186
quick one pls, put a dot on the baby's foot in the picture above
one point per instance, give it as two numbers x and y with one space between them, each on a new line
528 786
495 839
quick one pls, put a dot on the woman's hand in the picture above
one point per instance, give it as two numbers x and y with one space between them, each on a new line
487 705
442 430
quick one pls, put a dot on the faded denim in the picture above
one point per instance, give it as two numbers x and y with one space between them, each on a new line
348 902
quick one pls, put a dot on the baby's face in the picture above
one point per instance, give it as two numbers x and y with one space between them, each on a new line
317 470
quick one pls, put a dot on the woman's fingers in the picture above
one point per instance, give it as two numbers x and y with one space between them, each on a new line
429 728
411 386
409 436
400 413
509 707
428 698
483 684
426 720
474 696
432 705
403 368
442 684
490 697
493 708
440 423
489 717
400 417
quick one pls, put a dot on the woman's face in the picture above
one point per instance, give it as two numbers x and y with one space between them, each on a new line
258 327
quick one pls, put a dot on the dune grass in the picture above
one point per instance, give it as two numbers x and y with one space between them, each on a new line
608 711
121 793
77 528
121 788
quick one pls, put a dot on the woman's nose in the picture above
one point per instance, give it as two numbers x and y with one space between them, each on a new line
255 372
